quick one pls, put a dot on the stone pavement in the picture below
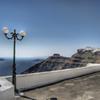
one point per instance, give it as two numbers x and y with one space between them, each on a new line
81 88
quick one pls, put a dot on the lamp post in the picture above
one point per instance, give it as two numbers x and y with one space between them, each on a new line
14 36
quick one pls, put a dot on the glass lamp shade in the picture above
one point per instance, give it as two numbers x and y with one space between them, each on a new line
22 33
5 30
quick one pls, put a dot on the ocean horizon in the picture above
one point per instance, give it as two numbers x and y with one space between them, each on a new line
21 65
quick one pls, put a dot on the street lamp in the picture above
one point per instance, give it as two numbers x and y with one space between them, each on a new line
14 36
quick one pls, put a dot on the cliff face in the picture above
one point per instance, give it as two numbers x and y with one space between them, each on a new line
87 55
56 62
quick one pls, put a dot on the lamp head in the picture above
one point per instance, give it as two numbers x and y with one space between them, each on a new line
5 30
22 33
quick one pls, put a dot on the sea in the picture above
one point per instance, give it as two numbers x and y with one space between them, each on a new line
21 65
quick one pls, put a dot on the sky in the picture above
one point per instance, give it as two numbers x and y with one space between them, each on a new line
52 26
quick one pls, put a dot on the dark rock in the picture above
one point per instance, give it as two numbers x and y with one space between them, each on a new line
1 59
57 62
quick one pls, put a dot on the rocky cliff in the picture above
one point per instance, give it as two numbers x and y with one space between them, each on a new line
56 62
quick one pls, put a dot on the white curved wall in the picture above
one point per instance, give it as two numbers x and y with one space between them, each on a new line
6 90
26 81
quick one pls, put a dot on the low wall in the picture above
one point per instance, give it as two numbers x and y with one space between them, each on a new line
33 80
6 90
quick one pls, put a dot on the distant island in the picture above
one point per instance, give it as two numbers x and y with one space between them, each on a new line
81 58
1 59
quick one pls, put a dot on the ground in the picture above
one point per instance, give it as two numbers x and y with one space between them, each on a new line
81 88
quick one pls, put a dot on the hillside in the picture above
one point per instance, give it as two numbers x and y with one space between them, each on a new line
56 62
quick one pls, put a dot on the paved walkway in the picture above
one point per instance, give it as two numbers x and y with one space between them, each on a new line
82 88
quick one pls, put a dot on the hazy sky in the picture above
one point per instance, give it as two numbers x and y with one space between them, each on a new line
52 26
